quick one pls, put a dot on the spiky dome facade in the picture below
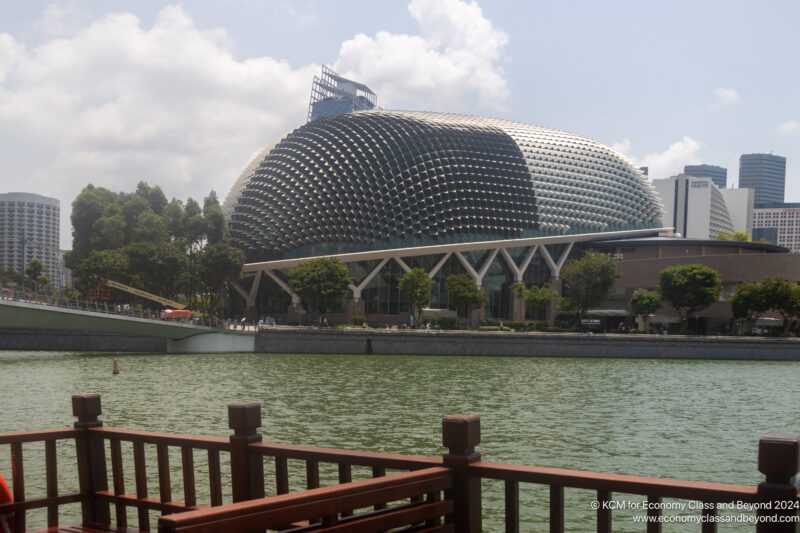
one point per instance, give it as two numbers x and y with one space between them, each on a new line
375 180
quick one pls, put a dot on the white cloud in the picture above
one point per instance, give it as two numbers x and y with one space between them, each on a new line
623 146
790 127
667 163
455 56
116 103
112 102
725 97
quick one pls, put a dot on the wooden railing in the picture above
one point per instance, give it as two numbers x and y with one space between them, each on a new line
400 493
412 500
52 498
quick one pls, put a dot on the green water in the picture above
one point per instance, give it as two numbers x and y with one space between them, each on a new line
698 420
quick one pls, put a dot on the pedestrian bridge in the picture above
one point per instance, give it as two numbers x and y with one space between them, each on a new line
187 338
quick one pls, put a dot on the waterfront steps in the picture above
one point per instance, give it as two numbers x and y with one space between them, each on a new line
223 483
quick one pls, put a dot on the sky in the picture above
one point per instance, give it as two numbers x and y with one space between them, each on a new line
183 95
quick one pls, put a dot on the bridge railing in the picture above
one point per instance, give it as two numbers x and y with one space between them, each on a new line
96 306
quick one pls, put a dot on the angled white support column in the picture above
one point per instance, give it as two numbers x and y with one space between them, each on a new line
439 265
240 290
282 285
402 264
251 298
519 271
477 276
555 268
364 282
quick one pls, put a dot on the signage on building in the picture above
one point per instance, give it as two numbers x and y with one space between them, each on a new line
699 184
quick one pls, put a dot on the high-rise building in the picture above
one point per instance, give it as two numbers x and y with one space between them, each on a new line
740 203
29 229
332 94
693 206
717 174
766 174
778 223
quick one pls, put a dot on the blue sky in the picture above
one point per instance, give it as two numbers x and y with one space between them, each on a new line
183 95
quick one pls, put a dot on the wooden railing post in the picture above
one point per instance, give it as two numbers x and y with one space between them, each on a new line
91 456
460 434
779 461
247 470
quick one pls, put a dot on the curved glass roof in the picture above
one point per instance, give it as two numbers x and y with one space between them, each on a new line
393 179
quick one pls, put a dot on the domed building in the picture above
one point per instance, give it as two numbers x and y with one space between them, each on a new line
386 191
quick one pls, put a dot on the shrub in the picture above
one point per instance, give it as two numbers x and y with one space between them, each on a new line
448 323
359 320
541 325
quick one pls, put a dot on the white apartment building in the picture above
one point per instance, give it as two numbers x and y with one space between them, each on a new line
695 207
778 223
29 229
740 208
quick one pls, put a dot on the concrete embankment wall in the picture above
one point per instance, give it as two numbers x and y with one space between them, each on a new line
382 342
501 344
54 340
57 340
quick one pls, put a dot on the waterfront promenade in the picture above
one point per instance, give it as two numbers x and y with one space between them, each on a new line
37 326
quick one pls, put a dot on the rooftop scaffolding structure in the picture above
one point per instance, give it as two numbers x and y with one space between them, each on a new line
332 94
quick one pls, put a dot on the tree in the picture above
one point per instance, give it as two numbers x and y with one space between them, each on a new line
220 265
689 289
464 292
740 236
748 303
322 281
87 208
34 271
782 296
7 276
644 303
416 286
535 298
112 264
587 281
216 228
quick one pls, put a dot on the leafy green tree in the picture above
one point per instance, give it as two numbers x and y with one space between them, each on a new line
156 267
108 232
150 227
416 286
748 303
153 195
87 208
220 265
175 218
35 272
7 275
587 281
535 298
111 264
133 207
464 293
740 236
216 229
644 303
782 296
321 282
689 289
